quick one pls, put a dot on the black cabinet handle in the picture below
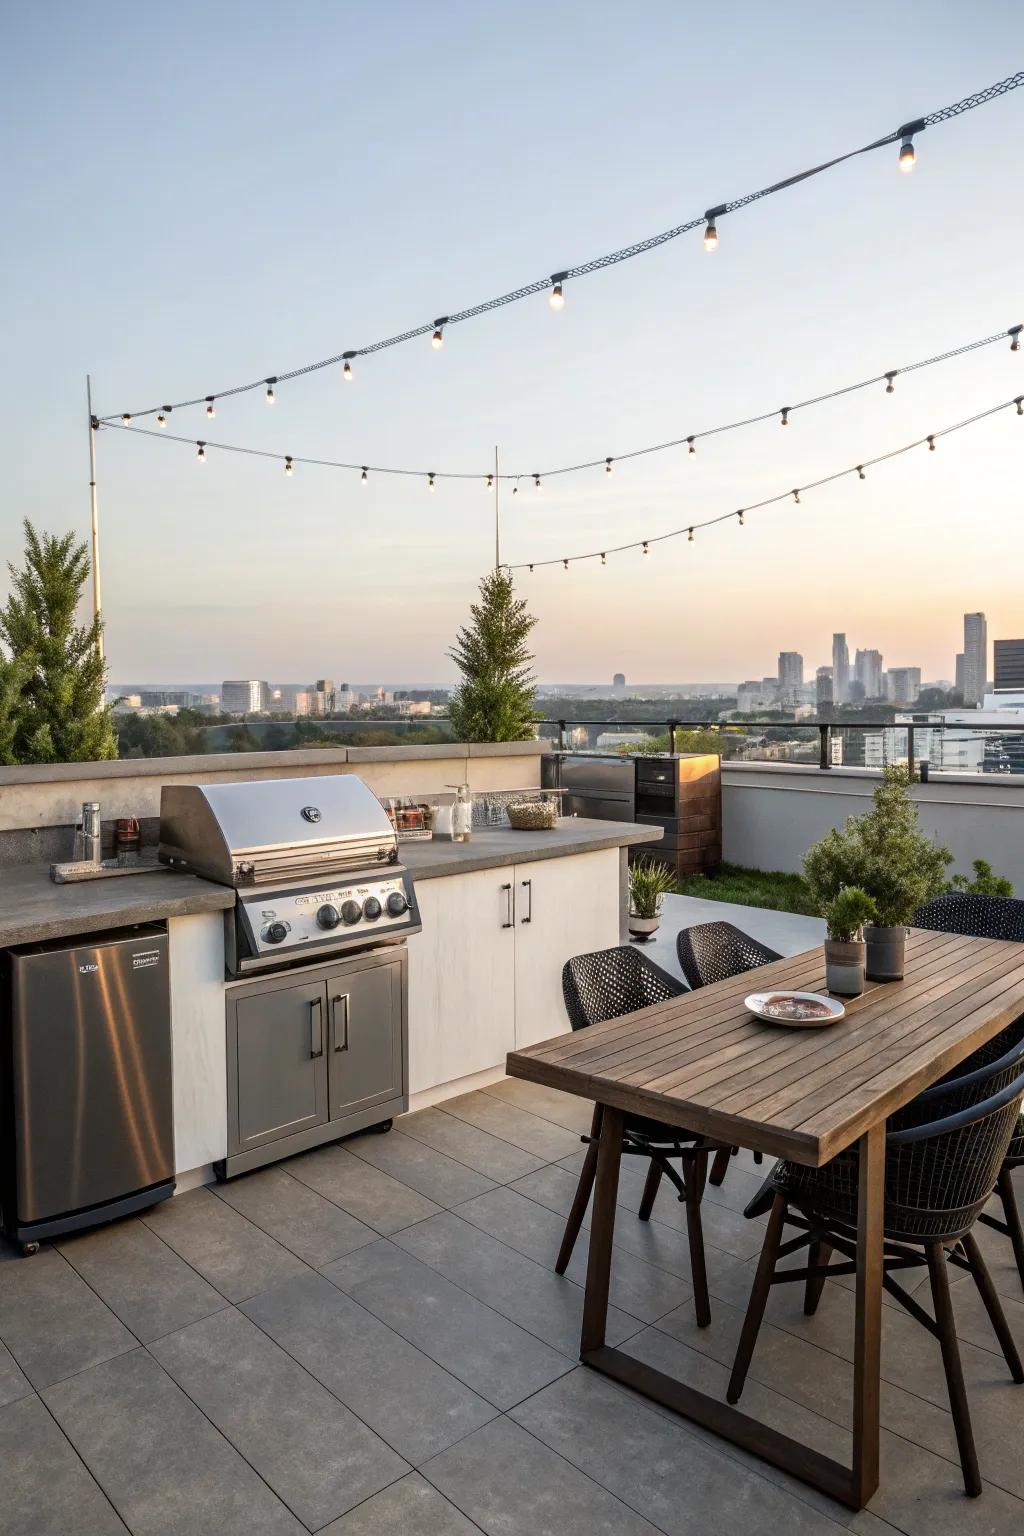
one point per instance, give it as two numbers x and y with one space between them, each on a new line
508 906
316 1027
340 1042
528 886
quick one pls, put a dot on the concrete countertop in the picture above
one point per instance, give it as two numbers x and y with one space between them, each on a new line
33 908
503 845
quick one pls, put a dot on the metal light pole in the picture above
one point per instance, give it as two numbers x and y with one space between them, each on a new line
94 509
497 524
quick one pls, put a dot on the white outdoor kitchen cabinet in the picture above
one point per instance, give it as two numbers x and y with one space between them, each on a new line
485 974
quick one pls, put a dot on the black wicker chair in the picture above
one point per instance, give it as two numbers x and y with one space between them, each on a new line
601 986
943 1152
987 917
711 952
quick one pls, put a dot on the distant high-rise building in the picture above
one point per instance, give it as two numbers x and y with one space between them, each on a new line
975 657
791 671
1009 664
325 686
959 674
751 697
867 670
840 669
903 685
823 686
619 682
247 696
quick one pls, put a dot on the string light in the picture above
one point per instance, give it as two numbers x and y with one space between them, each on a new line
556 298
641 247
693 445
288 464
430 481
907 156
531 567
201 455
1014 335
890 384
269 397
566 564
346 368
490 482
125 419
769 501
210 409
607 466
437 340
604 558
161 419
785 415
364 477
536 482
796 497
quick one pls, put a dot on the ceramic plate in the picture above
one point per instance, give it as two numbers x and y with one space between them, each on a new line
797 1010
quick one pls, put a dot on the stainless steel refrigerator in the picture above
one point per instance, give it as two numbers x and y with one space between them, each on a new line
87 1116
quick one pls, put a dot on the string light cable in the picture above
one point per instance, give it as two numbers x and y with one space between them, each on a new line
791 495
605 461
554 285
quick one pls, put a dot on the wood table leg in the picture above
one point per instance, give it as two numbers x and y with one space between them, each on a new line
868 1328
602 1231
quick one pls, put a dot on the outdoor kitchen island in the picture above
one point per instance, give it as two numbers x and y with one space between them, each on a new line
499 916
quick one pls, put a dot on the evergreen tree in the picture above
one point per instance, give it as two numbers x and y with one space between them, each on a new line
494 701
60 716
13 677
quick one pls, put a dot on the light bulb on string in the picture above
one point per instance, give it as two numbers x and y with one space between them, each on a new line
1014 335
490 483
125 419
689 536
710 234
693 444
437 340
161 418
201 455
608 466
908 158
364 477
346 366
890 385
785 416
430 481
536 482
269 396
210 409
604 558
740 517
556 298
931 442
531 567
565 565
645 549
796 496
860 472
288 464
1019 403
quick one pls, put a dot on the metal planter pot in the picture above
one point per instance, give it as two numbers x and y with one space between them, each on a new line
643 929
886 949
844 966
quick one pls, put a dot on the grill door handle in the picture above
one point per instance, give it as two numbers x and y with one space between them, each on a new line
316 1027
508 923
339 1042
528 887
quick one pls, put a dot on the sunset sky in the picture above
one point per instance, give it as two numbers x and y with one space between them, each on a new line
196 196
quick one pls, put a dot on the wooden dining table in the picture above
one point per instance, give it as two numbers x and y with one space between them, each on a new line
703 1061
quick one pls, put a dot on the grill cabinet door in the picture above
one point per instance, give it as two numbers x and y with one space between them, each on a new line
364 1038
277 1073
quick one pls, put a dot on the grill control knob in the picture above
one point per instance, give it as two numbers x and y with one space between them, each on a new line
371 909
351 911
328 916
274 933
397 904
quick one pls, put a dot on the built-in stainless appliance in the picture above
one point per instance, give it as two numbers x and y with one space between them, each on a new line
316 961
86 1082
314 863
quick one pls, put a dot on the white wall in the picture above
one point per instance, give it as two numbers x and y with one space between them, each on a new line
772 813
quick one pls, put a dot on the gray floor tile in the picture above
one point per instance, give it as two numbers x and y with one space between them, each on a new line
315 1229
235 1256
564 1109
648 1460
542 1137
312 1450
637 1288
495 1159
492 1355
408 1508
52 1323
144 1282
530 1293
440 1178
511 1485
414 1405
383 1203
13 1382
45 1487
162 1464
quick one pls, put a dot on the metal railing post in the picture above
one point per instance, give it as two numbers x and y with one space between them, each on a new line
561 735
910 751
672 727
824 743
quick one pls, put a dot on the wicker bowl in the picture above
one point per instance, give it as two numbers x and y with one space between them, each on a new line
532 815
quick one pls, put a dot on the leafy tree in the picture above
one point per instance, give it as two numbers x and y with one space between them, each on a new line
883 852
13 676
242 739
985 883
494 700
60 716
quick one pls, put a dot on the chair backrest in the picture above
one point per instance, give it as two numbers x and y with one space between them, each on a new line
715 951
609 982
983 917
939 1173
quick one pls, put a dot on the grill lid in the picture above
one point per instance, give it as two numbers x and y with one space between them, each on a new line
264 830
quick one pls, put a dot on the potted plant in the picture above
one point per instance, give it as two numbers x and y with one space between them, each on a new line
649 884
846 915
885 854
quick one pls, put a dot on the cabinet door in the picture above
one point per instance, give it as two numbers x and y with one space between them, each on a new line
564 907
364 1057
277 1073
461 977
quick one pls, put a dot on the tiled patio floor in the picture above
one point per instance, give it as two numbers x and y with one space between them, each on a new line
371 1338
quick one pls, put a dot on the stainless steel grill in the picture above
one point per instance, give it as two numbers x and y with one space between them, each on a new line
314 862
